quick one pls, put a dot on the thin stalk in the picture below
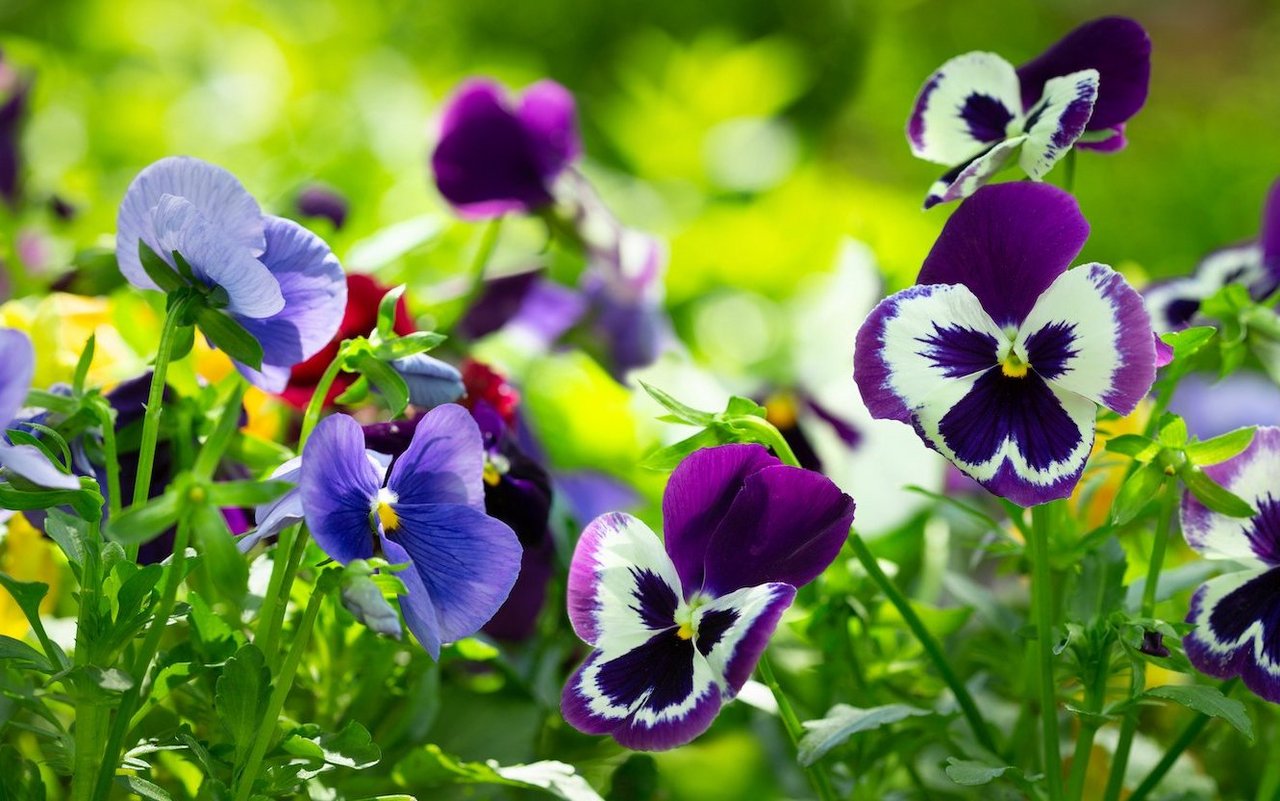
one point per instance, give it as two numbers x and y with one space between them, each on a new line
816 772
1095 694
316 405
931 647
90 716
1185 738
111 454
1042 614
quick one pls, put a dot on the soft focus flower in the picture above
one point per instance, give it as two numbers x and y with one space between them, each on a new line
1000 355
17 363
678 631
1237 614
427 510
321 201
977 110
14 92
532 311
60 324
1175 303
28 555
1212 406
281 282
494 158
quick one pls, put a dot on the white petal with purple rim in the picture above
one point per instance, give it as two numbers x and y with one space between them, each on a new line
732 631
1235 617
1174 303
1254 475
963 181
971 102
1057 121
1089 333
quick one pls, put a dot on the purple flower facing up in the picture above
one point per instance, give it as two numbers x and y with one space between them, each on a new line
677 631
496 158
977 110
1175 303
281 282
1000 355
17 365
427 510
1237 615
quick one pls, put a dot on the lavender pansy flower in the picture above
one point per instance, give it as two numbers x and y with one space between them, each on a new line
431 382
17 365
977 110
1175 303
496 158
678 630
1211 406
427 510
1000 355
281 282
1237 615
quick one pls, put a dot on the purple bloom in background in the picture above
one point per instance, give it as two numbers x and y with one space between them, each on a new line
977 110
494 157
1000 355
1237 615
1175 303
321 201
678 631
535 310
427 510
17 365
282 282
14 92
1212 406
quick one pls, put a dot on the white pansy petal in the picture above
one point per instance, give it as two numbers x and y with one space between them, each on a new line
1057 121
964 108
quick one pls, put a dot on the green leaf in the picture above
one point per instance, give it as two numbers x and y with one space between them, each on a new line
429 767
1136 492
1172 430
229 336
220 557
241 696
158 270
1099 588
21 436
19 651
387 312
184 339
350 748
82 365
1220 448
1207 701
1214 495
1136 446
971 773
70 533
358 392
688 414
386 379
143 788
666 459
1189 340
144 523
743 407
842 722
408 345
246 493
27 594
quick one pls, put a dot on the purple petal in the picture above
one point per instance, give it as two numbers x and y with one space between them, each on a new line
30 462
315 299
1113 141
964 108
217 194
1008 243
1270 242
321 201
17 365
1164 351
274 517
517 619
734 630
339 488
549 116
590 494
467 562
1237 618
444 462
416 603
1117 47
431 382
499 301
1057 121
699 494
1252 476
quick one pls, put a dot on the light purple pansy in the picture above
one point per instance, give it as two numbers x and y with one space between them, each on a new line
977 111
1175 303
678 630
496 158
1237 615
282 282
17 365
1000 355
427 510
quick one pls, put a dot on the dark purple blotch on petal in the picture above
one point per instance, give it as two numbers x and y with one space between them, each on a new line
1256 602
321 201
987 118
1050 348
999 407
959 351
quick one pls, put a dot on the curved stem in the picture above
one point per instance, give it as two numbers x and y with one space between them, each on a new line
1042 614
795 730
316 405
292 545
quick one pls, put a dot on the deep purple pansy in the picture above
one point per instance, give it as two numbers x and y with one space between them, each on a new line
1237 615
678 630
494 157
17 365
14 93
426 510
1000 355
1175 303
321 202
282 282
977 110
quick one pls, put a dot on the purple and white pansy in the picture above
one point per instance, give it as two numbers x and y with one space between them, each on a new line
1237 615
1000 355
977 111
677 630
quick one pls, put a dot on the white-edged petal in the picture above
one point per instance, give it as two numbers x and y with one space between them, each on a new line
1058 120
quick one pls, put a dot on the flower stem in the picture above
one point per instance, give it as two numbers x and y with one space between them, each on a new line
795 730
931 647
316 405
110 455
90 717
1095 694
1042 614
1185 738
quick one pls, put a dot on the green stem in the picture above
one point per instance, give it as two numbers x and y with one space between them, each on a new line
292 544
1095 694
1185 738
931 647
1042 614
111 455
816 773
1069 170
284 682
767 434
90 716
316 405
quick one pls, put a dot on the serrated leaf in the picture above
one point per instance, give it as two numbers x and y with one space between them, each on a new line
229 336
1213 495
1221 448
1136 492
690 415
842 722
1207 701
241 695
1136 446
158 270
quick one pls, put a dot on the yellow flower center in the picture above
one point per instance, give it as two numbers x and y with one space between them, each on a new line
1014 367
491 474
780 409
385 510
685 632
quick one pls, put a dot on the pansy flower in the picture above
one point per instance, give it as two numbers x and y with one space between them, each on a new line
1000 355
277 279
677 630
495 157
17 365
426 510
977 110
1255 264
1237 615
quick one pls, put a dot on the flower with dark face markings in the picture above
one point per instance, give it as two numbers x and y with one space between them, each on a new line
1000 355
678 631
